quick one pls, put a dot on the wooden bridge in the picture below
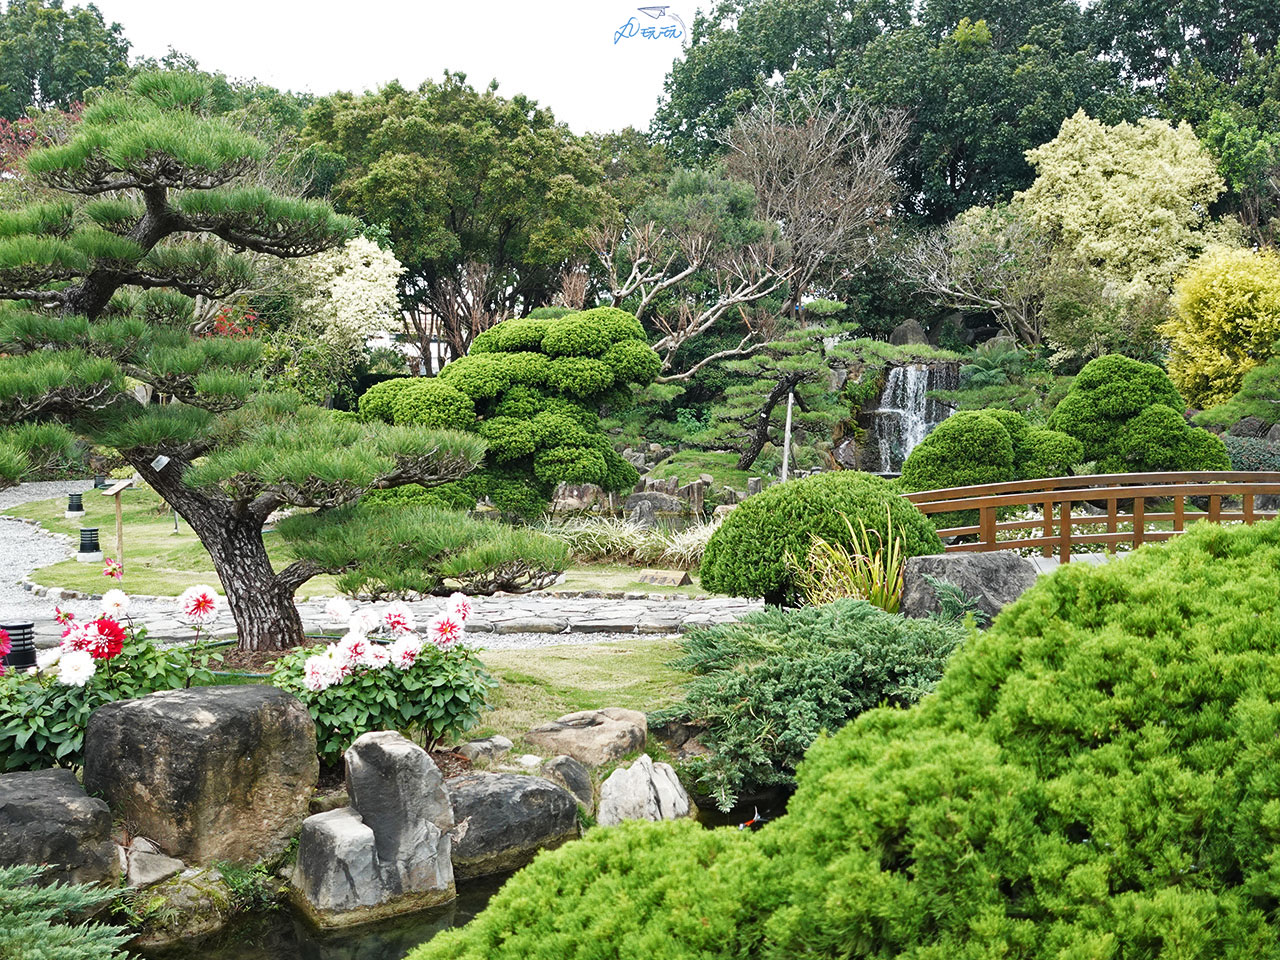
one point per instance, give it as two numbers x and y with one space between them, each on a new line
1126 497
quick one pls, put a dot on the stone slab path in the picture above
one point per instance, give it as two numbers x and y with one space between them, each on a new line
498 622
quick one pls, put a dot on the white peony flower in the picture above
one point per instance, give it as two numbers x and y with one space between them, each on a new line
47 658
375 655
444 631
399 618
320 672
115 603
76 668
351 649
404 652
338 610
364 622
459 606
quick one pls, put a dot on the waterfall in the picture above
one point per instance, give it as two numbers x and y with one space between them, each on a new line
904 415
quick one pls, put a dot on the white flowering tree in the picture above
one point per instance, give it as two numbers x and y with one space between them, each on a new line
348 294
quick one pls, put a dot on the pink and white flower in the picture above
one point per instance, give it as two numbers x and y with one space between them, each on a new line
198 604
444 630
375 656
320 672
363 622
459 606
114 568
399 619
338 610
404 651
338 665
351 649
76 668
115 603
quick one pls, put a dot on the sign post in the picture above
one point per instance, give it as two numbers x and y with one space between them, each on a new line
115 490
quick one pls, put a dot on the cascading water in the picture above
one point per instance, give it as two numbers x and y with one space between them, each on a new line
904 414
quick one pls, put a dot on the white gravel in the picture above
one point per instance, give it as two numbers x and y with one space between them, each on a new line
24 547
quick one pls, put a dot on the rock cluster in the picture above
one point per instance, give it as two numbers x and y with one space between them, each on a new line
593 737
504 819
643 791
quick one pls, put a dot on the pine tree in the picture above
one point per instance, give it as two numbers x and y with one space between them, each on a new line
162 206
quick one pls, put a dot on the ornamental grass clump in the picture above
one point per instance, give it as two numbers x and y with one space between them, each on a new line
386 674
1095 776
870 569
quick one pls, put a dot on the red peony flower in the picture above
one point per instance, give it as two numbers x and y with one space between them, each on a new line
106 638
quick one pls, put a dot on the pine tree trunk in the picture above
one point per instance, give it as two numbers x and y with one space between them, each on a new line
261 602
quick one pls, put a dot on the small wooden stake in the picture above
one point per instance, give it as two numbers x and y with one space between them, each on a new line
115 490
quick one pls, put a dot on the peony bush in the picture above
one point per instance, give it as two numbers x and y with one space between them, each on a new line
386 674
44 710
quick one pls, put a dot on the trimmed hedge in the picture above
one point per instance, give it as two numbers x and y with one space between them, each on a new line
746 556
1128 416
1095 777
967 448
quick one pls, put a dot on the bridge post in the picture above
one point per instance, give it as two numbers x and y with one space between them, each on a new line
1064 533
1047 549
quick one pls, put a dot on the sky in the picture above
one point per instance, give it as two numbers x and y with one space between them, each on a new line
562 53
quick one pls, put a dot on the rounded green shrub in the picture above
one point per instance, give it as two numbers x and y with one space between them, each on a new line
1047 453
746 557
479 377
632 362
1108 410
580 376
576 335
570 465
1015 424
549 313
429 402
618 325
968 448
1094 777
508 437
376 402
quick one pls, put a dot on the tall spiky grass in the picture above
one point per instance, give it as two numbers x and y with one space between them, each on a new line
870 569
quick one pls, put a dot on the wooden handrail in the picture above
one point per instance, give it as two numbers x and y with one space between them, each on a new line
1059 534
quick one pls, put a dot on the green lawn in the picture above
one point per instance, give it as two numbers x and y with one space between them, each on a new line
159 562
543 683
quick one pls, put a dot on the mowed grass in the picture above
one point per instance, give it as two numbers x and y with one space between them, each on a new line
540 684
160 562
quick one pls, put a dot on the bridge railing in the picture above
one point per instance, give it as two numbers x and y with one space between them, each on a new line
1229 496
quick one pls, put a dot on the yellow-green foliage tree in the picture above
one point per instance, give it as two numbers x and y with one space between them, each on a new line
1226 321
1130 201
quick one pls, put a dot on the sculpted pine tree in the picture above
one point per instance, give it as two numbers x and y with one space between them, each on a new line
160 213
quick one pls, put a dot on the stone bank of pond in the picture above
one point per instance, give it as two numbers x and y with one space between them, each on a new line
281 934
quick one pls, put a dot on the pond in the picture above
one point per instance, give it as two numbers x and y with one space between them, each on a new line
282 935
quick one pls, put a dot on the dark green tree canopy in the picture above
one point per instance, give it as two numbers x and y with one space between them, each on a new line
49 56
460 177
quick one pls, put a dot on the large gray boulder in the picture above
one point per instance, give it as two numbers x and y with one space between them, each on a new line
993 579
592 737
908 332
504 819
210 773
390 851
46 817
660 502
643 791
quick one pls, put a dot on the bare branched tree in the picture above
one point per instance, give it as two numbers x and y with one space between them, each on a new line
987 260
823 172
575 284
823 168
460 308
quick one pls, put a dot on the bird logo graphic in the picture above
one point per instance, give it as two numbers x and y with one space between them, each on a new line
674 28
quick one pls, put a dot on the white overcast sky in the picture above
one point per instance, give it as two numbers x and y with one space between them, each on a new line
560 52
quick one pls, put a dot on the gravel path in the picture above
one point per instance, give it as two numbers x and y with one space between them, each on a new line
499 622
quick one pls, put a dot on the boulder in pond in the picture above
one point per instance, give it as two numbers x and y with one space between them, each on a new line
643 791
390 851
504 819
575 778
47 818
209 773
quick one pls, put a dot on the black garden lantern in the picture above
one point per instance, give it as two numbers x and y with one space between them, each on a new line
89 549
99 481
22 653
75 505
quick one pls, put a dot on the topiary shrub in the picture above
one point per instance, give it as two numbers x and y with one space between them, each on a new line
1047 453
769 684
532 388
433 403
967 448
746 557
1107 410
1094 777
1226 321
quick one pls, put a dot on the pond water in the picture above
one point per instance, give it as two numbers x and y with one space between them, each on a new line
282 935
